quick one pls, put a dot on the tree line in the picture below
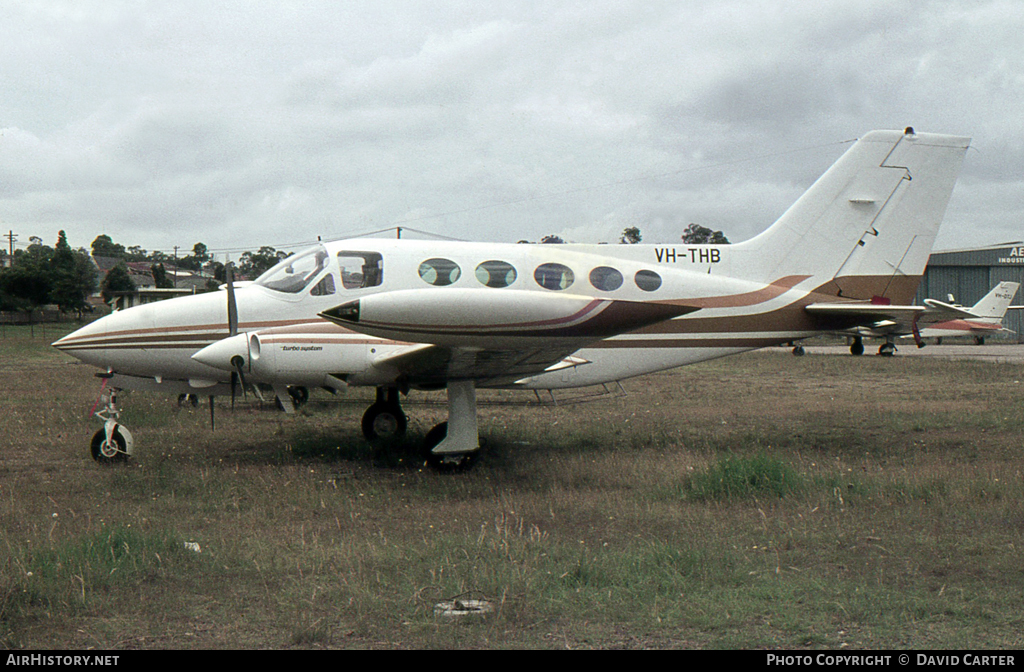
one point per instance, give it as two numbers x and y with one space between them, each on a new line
40 275
693 234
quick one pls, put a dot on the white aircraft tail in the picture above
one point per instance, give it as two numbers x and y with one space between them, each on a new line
994 304
865 229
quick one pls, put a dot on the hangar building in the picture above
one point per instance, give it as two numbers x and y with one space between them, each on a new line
969 275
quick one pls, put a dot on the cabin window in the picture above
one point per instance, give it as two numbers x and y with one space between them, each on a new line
647 280
360 269
325 287
553 276
605 278
496 273
440 272
294 274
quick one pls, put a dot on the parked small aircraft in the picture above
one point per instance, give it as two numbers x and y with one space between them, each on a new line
403 315
986 317
942 319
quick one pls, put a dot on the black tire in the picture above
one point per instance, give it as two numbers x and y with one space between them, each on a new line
384 422
108 453
450 463
299 395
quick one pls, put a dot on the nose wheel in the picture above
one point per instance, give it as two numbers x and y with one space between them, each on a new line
109 449
113 443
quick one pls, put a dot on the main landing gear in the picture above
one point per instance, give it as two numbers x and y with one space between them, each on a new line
887 349
449 446
384 420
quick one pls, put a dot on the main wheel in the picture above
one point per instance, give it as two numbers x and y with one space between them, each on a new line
445 462
887 350
108 452
857 348
384 422
299 395
185 400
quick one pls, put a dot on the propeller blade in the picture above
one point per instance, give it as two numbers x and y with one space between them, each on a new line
238 376
229 275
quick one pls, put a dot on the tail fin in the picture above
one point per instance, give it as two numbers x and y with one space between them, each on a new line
995 303
868 224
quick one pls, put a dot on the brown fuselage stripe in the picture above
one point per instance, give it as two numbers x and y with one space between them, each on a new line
789 318
777 288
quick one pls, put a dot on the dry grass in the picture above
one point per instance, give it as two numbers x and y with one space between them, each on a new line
654 520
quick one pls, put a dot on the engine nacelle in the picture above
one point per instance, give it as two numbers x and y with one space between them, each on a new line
492 318
312 355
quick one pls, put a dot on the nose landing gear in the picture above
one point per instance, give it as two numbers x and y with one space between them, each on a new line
114 442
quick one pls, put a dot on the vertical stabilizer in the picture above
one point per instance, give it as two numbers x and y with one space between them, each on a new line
868 224
994 304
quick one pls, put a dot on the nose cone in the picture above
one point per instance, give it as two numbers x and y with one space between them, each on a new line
346 313
220 354
88 343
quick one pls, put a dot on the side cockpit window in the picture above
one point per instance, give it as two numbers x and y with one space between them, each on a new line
360 269
325 287
296 272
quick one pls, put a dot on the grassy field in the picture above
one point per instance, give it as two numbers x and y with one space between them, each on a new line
756 501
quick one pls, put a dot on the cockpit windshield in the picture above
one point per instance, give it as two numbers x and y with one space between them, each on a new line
295 273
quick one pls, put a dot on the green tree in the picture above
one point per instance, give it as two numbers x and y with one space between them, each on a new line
695 234
136 253
631 235
160 279
254 264
195 261
118 280
103 246
72 278
26 286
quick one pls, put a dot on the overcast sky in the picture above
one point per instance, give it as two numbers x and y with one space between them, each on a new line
259 122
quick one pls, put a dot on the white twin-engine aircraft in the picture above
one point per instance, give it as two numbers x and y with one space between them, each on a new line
405 315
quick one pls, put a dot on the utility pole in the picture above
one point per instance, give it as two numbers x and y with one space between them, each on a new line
11 236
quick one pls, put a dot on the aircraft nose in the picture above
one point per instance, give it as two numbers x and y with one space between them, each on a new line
221 354
346 312
88 343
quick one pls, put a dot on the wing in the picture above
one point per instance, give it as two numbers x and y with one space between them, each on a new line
884 318
425 365
487 336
